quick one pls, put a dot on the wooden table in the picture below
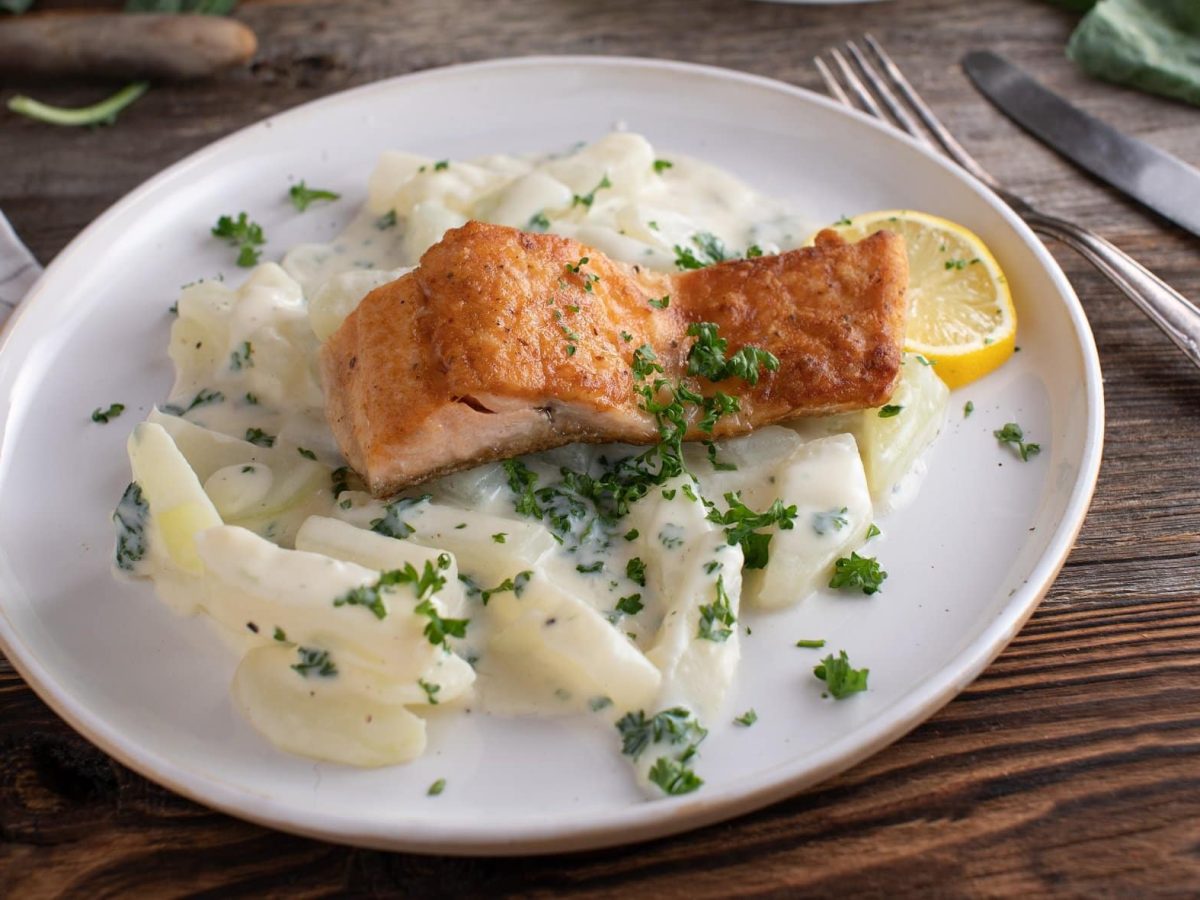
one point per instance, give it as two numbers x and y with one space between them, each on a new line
1072 766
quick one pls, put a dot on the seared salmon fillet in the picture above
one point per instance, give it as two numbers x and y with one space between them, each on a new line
503 342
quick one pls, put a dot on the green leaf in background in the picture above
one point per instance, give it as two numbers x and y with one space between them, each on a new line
16 7
195 7
1149 44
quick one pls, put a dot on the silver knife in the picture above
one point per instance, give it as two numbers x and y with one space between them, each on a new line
1165 183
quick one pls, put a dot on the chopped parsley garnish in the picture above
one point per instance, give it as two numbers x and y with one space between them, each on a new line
538 222
523 482
844 220
307 454
632 534
662 302
130 517
746 719
873 531
391 524
742 524
958 264
674 777
707 357
243 234
242 357
598 703
386 221
259 437
753 251
635 571
437 629
717 465
834 520
104 416
968 408
437 787
671 726
315 661
886 412
709 245
1012 434
841 679
671 535
441 165
204 397
516 584
597 566
280 635
811 644
427 582
302 195
716 618
586 200
661 165
858 572
251 399
589 278
631 605
430 690
626 336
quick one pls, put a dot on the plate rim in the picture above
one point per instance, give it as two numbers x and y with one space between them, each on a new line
638 822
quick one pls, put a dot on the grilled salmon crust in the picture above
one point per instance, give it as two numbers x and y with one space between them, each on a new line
504 342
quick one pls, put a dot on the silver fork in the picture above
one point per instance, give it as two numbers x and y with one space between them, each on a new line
886 88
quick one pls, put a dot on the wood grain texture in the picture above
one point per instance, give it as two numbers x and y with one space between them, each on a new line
1070 768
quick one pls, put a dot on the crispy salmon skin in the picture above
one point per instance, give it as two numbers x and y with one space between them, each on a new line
503 342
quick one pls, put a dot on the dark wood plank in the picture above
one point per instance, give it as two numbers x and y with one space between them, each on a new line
1071 767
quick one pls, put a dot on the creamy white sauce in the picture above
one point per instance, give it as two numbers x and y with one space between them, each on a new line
246 516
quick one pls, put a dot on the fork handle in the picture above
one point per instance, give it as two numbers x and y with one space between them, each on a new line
1177 316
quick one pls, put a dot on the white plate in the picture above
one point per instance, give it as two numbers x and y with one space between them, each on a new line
968 561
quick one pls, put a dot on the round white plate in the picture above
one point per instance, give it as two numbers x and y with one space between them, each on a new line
968 561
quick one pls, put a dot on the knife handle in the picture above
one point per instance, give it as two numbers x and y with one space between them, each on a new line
1177 316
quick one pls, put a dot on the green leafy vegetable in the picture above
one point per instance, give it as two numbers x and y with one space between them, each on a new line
858 572
130 517
661 165
425 583
886 412
717 618
674 726
437 787
391 524
635 571
631 605
841 679
259 437
1012 434
674 777
104 416
746 719
102 113
243 234
315 661
204 397
707 357
302 196
742 524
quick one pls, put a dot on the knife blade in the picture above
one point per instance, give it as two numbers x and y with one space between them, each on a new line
1158 180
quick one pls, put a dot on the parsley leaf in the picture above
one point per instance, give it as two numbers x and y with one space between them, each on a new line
243 234
841 679
631 605
716 618
586 200
746 719
259 437
661 165
672 726
858 572
104 416
1011 433
316 661
303 196
430 690
674 777
429 581
742 524
391 524
661 303
635 571
130 517
437 787
438 629
886 412
204 397
242 357
538 222
707 357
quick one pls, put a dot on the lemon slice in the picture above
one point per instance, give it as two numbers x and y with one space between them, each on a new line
960 311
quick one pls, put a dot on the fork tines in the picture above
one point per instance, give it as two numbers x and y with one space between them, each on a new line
876 84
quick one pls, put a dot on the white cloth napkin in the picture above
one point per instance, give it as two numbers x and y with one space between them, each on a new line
18 270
